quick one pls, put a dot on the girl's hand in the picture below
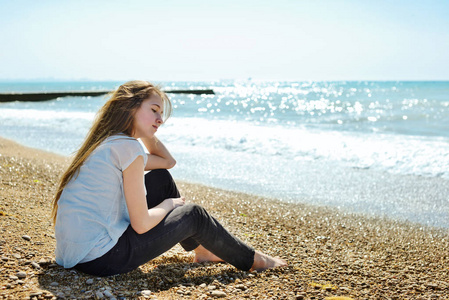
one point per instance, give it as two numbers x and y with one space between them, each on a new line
175 202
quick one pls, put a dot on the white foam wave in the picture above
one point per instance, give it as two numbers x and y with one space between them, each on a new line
402 154
426 156
33 115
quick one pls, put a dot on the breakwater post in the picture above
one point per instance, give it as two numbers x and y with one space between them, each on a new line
44 96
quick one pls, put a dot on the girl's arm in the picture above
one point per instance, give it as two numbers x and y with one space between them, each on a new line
142 218
159 157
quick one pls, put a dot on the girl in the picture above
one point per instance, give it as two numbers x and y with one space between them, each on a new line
110 218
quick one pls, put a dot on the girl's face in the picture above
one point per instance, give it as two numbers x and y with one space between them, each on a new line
148 117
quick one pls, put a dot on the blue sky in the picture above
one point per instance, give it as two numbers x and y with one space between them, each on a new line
209 40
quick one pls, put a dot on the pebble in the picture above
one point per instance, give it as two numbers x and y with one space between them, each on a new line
12 277
145 293
433 286
99 295
35 265
108 294
89 281
43 261
21 274
54 283
26 237
218 294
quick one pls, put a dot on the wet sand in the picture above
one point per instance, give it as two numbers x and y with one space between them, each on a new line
330 253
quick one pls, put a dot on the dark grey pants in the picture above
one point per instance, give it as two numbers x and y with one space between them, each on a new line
190 225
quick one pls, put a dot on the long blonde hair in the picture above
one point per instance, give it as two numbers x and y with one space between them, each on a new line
116 116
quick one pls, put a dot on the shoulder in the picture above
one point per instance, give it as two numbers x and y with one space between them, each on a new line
119 139
124 149
117 142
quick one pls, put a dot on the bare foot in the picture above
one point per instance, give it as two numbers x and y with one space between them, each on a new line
204 255
263 262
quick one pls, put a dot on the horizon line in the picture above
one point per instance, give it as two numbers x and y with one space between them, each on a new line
212 80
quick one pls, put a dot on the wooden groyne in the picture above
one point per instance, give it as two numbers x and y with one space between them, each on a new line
7 97
44 96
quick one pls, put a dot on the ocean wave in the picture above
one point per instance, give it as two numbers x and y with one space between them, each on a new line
49 116
402 154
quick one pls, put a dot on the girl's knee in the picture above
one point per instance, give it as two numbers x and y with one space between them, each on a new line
194 208
189 212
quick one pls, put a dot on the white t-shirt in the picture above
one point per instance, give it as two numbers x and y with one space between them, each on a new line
92 211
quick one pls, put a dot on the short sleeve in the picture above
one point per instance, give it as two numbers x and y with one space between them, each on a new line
125 151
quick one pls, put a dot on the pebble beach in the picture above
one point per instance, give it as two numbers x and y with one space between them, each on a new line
331 254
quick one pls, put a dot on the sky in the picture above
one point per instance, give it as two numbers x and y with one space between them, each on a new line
213 40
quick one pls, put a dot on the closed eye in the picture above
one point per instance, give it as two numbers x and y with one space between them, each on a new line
156 108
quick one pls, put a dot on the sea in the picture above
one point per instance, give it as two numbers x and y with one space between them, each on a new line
373 147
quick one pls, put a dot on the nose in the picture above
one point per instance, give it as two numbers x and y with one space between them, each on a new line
159 120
